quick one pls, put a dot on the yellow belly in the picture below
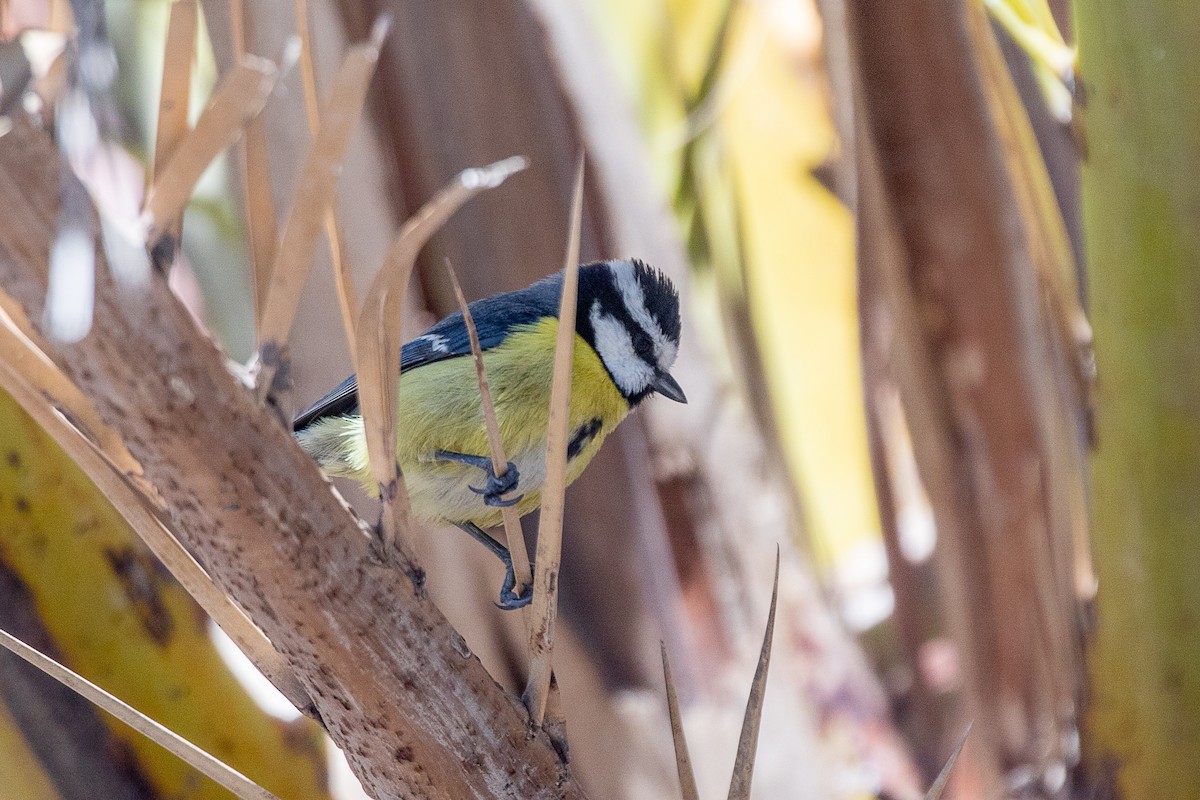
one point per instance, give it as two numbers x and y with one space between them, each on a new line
439 410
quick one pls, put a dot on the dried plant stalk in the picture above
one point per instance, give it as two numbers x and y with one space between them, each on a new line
261 228
380 329
314 192
512 520
239 98
743 764
219 771
176 82
173 99
683 761
37 385
342 277
237 27
549 546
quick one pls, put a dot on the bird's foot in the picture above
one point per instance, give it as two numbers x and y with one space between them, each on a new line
497 486
509 599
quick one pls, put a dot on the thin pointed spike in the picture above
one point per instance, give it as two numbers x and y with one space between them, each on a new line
939 784
683 761
743 765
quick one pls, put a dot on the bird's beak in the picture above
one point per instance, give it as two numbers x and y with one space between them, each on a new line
668 387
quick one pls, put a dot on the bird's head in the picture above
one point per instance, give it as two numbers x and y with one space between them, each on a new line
629 314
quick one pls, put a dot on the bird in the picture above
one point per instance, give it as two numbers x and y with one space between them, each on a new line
627 337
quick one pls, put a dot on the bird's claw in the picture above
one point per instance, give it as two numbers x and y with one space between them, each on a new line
509 599
496 486
494 500
499 486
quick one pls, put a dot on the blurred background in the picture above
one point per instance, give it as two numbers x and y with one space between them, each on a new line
877 218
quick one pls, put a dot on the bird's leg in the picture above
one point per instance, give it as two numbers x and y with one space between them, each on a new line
509 599
495 486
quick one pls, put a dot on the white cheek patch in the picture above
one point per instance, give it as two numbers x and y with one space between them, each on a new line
635 303
665 349
615 347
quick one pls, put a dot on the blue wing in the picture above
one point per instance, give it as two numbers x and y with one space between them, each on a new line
494 318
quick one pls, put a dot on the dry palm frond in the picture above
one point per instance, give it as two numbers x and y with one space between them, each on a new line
314 192
239 98
379 334
549 546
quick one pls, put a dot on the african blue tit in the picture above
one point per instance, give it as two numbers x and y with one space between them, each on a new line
627 336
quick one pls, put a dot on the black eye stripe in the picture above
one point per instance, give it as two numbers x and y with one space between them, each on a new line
600 294
643 344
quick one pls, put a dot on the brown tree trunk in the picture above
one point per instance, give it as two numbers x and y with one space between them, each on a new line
396 686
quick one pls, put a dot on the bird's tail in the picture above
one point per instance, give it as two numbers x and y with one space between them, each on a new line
339 445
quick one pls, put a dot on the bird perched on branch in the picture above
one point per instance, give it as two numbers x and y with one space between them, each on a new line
627 336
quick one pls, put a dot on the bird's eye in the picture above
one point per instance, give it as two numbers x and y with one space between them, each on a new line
644 346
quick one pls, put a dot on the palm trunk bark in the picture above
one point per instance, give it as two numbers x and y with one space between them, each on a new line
941 217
